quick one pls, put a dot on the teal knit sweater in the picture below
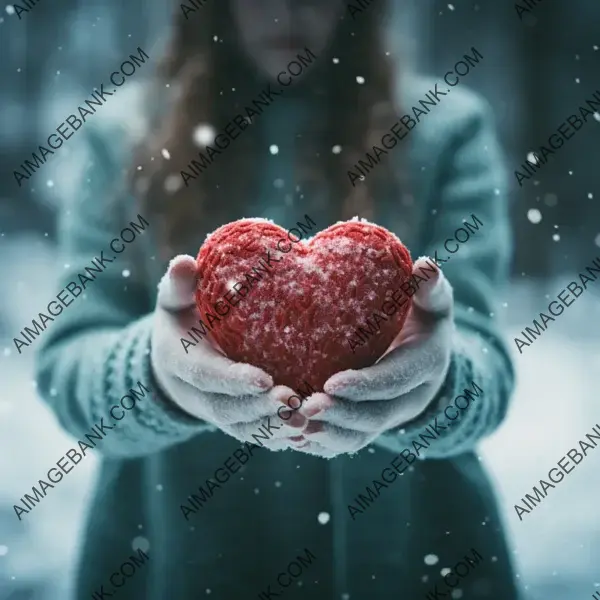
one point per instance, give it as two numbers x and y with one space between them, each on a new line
98 349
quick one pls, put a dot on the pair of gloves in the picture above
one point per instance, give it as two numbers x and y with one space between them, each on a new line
357 405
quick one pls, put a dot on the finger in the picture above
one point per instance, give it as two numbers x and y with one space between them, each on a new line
314 404
360 417
207 369
298 441
377 415
213 372
272 444
229 410
177 286
315 449
403 369
435 295
338 439
263 431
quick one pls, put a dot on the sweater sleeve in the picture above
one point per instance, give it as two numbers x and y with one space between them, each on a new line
97 349
470 189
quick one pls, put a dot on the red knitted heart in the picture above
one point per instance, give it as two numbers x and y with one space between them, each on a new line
293 309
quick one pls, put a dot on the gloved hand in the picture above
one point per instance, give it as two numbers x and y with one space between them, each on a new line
235 397
359 405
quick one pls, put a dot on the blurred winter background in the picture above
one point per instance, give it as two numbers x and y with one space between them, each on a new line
534 74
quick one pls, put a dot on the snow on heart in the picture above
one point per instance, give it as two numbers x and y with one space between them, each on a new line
302 310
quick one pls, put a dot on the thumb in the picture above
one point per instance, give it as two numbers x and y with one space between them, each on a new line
177 286
434 295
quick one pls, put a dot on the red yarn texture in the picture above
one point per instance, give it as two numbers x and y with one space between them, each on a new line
297 321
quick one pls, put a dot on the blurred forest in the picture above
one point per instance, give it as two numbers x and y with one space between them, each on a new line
537 71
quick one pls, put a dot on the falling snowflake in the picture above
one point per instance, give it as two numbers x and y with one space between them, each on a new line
323 518
126 272
203 135
534 215
336 149
360 79
172 183
140 543
431 559
274 149
166 154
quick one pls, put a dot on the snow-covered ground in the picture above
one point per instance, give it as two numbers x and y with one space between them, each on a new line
556 403
36 552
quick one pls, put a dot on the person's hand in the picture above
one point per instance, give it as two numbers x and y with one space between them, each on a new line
359 405
235 397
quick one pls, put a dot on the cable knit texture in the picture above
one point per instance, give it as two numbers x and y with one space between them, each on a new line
99 349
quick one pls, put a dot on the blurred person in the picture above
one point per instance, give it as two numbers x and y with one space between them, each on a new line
201 405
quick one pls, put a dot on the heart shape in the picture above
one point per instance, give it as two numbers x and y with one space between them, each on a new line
300 311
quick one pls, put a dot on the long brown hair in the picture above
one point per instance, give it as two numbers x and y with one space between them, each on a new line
204 64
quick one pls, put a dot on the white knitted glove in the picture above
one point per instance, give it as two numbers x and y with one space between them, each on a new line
235 397
359 405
